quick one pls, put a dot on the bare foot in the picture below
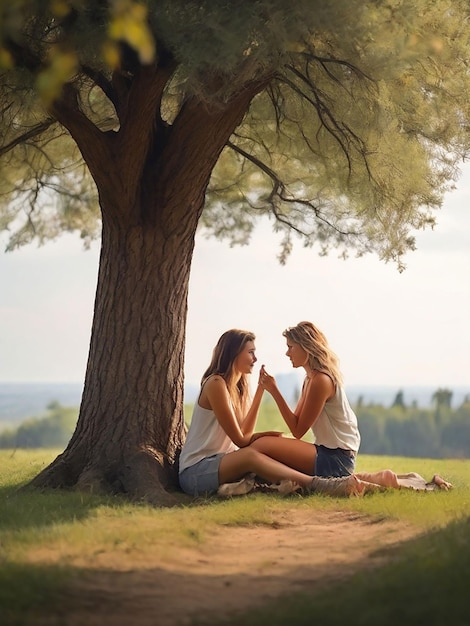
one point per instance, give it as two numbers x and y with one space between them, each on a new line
441 483
385 478
363 486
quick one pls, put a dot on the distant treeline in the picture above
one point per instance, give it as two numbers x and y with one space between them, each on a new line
53 430
397 430
400 430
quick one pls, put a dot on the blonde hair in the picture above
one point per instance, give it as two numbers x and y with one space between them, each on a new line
228 347
314 342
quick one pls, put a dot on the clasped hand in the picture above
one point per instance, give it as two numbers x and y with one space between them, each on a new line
266 433
265 380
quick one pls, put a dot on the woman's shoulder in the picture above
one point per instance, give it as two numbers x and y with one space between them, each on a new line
213 380
322 380
214 383
212 387
322 377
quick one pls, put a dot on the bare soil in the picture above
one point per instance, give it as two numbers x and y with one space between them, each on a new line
239 568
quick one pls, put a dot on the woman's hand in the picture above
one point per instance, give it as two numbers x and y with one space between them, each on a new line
266 433
266 381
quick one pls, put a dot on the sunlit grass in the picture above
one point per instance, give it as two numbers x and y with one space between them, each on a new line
29 515
44 537
428 509
18 466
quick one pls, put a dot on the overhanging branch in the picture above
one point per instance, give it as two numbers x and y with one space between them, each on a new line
26 136
279 190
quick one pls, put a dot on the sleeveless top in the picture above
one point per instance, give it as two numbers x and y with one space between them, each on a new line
336 426
205 437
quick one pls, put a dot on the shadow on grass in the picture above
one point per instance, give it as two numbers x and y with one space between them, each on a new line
26 590
23 509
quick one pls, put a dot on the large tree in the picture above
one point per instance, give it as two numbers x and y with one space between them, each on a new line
342 121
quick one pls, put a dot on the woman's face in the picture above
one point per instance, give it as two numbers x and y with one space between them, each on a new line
245 361
297 355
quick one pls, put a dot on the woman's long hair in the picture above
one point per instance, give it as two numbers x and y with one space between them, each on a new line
229 346
314 342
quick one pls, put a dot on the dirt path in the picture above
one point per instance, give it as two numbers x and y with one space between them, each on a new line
239 568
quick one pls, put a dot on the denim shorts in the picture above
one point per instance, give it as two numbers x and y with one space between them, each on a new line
202 478
334 462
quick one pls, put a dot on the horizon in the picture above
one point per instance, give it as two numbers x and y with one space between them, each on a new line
20 401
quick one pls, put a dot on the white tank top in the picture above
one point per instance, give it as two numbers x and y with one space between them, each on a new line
205 437
336 426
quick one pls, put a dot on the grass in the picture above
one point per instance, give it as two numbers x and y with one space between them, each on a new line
33 524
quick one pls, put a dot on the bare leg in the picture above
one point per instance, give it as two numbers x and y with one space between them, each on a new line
385 478
388 478
298 454
301 456
235 465
441 483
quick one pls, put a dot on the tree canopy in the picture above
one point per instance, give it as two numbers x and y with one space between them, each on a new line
351 143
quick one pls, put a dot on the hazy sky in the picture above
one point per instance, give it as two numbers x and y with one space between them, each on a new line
387 328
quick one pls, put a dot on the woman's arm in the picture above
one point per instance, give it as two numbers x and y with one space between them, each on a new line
315 393
249 421
215 396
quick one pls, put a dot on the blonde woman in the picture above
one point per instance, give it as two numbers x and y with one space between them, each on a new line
324 408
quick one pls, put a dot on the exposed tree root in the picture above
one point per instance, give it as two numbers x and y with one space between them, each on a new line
144 476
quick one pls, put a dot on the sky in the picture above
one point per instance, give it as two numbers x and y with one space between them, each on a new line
387 328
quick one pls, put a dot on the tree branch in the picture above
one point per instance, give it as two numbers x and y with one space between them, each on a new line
26 136
279 190
324 61
136 135
102 82
325 116
96 146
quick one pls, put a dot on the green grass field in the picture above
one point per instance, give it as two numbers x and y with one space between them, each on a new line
427 584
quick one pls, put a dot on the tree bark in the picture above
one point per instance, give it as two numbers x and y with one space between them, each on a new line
131 428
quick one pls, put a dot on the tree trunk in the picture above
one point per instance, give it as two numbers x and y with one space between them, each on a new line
131 428
131 425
